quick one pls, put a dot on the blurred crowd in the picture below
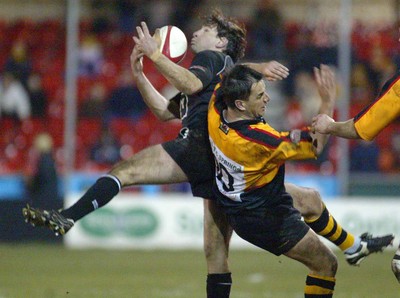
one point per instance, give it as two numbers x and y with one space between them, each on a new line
114 122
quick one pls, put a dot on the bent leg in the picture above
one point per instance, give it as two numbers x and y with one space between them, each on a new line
309 202
217 235
150 166
322 264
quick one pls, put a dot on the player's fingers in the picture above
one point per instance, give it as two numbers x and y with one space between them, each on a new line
276 77
314 120
278 66
139 32
145 29
281 67
329 76
326 78
136 40
317 75
323 74
137 51
283 72
279 73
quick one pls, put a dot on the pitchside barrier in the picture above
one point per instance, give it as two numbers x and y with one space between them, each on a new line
175 221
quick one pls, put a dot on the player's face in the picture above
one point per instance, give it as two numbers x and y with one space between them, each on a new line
206 38
257 102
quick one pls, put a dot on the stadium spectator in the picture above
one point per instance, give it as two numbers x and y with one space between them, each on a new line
185 14
93 106
106 151
159 12
90 57
387 161
37 96
316 46
267 32
362 90
18 62
101 22
125 100
128 12
14 99
381 67
364 151
42 178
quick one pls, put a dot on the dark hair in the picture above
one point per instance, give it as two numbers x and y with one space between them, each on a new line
232 30
237 83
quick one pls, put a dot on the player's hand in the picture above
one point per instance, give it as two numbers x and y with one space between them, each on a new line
320 123
274 71
147 44
136 59
326 83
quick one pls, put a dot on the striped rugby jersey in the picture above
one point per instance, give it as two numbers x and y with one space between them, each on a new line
250 156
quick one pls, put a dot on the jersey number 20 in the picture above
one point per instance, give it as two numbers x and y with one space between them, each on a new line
224 177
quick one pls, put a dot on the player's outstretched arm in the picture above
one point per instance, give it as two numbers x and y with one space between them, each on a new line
181 78
326 84
272 70
324 124
157 103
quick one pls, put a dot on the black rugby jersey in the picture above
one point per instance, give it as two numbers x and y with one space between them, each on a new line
208 67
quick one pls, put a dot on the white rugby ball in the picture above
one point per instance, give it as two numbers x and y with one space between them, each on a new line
173 43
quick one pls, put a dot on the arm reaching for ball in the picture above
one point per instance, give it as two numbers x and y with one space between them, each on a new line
181 78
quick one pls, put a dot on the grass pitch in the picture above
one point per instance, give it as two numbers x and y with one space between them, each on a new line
46 271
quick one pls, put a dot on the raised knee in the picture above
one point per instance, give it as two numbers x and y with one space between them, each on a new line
332 264
310 204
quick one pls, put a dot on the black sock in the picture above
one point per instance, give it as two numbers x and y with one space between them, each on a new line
219 285
102 192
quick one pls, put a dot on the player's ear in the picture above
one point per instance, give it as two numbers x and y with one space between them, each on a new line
222 43
239 104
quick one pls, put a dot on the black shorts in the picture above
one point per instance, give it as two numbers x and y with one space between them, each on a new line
192 152
276 228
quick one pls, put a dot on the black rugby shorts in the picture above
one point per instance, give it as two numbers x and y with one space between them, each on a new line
192 152
276 228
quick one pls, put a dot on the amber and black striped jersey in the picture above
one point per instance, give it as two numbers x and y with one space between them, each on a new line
250 156
207 66
381 112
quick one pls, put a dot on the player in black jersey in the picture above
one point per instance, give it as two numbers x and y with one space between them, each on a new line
219 43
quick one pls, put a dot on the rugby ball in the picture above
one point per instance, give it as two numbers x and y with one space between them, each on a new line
173 43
